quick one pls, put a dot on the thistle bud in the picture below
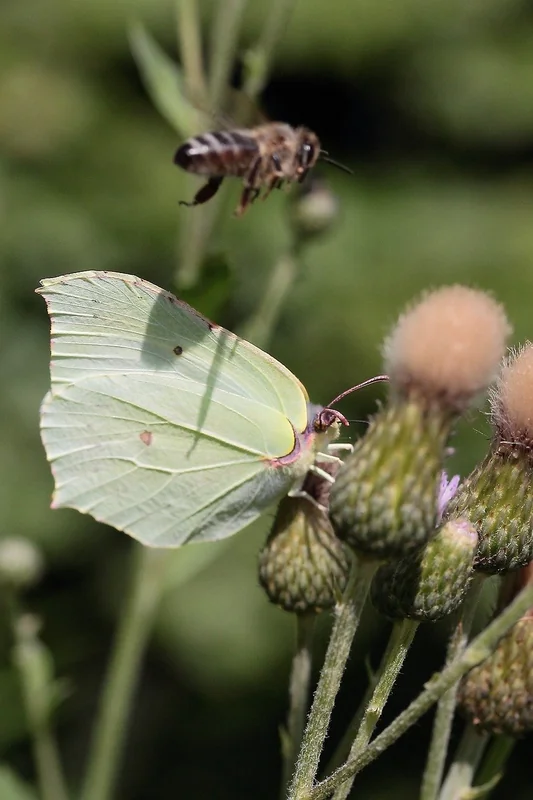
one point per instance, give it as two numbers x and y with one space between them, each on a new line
440 356
496 695
315 208
303 566
21 563
497 497
431 583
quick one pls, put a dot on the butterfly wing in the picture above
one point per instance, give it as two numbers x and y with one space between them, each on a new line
158 422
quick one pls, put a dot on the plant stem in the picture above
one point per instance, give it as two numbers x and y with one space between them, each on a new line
401 638
499 750
134 629
259 58
469 754
196 229
347 616
35 670
263 321
298 694
480 648
223 48
442 725
195 234
190 45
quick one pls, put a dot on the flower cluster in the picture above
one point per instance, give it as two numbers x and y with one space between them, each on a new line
391 502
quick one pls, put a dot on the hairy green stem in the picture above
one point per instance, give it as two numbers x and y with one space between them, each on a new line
299 684
35 671
480 648
442 725
190 45
225 36
347 616
259 58
403 633
196 226
494 761
145 591
197 229
262 322
461 773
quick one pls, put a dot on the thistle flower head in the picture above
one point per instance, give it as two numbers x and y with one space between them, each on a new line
496 695
512 399
447 490
497 497
432 582
447 347
440 355
303 566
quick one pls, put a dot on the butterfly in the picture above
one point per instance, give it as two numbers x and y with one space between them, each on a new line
164 425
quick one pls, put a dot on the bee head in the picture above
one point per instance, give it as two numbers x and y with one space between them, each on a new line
308 151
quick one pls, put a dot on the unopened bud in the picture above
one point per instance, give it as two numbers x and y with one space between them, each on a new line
497 497
496 695
441 355
303 566
315 208
21 563
431 583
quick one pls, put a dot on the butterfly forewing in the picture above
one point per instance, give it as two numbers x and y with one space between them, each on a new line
158 422
108 322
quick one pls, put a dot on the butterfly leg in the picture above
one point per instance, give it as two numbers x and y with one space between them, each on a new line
321 473
298 493
339 447
329 458
205 193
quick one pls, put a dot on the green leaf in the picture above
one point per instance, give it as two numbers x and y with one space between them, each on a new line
12 788
164 82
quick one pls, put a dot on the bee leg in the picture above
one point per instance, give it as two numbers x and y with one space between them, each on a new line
250 191
247 197
303 176
275 183
205 193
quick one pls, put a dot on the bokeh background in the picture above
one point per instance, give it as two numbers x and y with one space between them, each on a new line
431 105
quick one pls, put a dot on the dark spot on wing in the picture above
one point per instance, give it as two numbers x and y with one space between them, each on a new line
178 350
146 438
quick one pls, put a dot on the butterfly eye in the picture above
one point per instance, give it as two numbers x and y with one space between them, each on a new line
327 417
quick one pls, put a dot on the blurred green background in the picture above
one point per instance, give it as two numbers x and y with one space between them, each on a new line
431 105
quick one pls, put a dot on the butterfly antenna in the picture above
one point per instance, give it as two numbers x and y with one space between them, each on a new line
324 156
369 382
329 414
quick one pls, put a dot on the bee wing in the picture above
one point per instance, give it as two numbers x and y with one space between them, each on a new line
244 110
238 111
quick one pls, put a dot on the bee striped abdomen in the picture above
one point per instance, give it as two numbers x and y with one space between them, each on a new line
221 153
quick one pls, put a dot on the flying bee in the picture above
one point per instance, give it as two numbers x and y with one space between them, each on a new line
266 156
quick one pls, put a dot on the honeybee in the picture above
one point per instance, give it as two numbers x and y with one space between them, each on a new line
267 156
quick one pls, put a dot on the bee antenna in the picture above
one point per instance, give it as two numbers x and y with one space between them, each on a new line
324 156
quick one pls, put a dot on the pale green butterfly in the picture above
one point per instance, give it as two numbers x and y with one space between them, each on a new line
162 424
